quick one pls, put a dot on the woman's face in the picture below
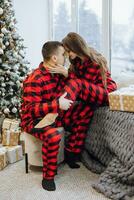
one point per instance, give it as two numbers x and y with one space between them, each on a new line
71 54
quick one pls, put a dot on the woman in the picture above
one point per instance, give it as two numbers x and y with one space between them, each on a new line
88 83
87 63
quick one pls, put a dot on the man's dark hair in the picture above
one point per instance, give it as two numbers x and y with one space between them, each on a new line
49 48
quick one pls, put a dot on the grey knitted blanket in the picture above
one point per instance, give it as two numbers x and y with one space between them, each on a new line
109 150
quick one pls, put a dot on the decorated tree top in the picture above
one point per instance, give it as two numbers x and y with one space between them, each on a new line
13 66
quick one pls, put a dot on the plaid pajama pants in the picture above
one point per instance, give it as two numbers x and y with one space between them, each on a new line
76 120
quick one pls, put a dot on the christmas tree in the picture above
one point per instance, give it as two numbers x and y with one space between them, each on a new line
13 66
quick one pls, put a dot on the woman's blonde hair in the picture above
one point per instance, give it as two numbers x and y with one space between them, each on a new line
74 42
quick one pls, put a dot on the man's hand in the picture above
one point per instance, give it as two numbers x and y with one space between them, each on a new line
58 69
64 104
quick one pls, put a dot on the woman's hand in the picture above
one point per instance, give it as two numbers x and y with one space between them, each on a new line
58 69
64 104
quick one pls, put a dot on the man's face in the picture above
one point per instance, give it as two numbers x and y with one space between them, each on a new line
60 56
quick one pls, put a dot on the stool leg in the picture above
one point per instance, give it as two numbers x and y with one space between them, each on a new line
26 163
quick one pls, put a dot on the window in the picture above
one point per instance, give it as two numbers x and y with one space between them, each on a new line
105 25
122 51
61 18
90 21
67 13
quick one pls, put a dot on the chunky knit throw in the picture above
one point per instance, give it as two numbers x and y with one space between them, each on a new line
109 150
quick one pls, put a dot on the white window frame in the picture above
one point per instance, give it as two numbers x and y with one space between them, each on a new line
74 15
106 29
106 24
50 17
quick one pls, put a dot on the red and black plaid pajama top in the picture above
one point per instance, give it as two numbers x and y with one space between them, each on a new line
85 84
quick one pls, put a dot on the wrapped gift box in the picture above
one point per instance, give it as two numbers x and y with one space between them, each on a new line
10 124
3 158
122 99
10 137
14 154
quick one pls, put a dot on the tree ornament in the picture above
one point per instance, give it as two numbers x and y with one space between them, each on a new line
8 72
6 111
3 85
1 40
3 47
1 11
4 30
11 25
18 82
7 43
1 78
11 93
1 51
14 110
1 35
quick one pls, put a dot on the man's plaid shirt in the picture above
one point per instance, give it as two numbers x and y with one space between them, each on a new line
40 90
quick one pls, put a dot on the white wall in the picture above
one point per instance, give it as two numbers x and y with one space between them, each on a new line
32 17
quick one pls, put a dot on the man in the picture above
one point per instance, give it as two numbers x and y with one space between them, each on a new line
41 91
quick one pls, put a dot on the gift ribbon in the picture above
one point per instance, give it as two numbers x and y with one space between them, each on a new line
121 102
17 154
2 161
8 136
